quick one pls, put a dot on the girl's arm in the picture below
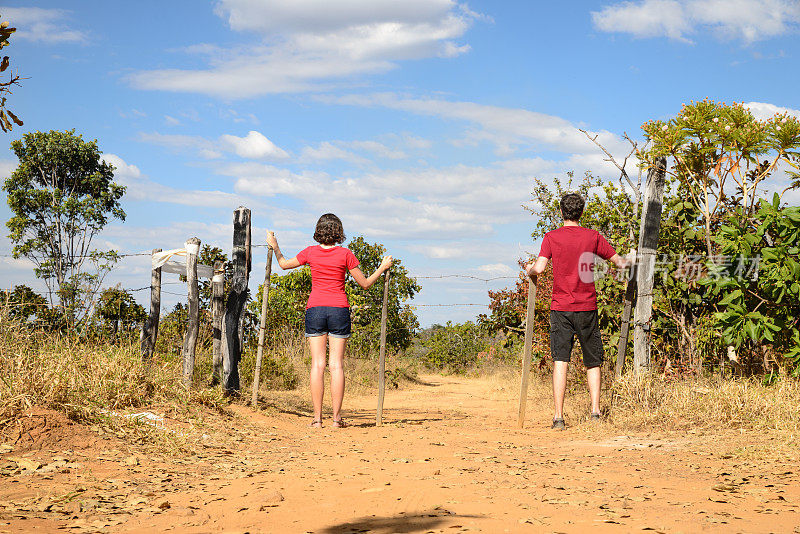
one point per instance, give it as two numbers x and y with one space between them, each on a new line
365 282
282 261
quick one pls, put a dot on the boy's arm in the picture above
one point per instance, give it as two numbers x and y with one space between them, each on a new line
624 262
537 267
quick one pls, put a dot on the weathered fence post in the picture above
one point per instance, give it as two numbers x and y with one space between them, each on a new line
150 329
629 300
262 327
234 305
382 354
193 325
217 313
648 244
526 355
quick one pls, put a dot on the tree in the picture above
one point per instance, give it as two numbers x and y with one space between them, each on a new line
367 304
61 196
6 115
117 307
23 303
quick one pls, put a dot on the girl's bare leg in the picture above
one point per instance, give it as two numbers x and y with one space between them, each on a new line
336 366
317 345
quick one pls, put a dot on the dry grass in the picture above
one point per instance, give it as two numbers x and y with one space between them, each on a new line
653 402
88 381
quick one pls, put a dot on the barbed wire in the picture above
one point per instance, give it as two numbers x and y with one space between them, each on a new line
84 256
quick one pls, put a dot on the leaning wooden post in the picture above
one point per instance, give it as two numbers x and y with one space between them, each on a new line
648 244
150 329
193 325
382 354
262 327
217 314
232 346
526 356
630 299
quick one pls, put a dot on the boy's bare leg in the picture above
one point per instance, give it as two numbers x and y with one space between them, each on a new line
318 346
559 387
593 378
336 366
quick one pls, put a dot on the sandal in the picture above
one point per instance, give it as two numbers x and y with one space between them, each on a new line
340 423
316 423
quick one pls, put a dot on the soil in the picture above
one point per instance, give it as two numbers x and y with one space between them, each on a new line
448 458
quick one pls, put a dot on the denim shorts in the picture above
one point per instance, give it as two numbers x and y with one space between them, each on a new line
321 320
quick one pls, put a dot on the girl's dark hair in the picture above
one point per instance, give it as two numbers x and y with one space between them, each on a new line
329 230
572 205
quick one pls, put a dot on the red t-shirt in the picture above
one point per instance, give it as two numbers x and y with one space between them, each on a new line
329 267
573 250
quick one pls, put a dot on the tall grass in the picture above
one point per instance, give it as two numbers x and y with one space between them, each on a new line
714 402
83 379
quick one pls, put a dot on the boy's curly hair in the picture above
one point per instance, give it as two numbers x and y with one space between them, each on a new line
329 230
572 205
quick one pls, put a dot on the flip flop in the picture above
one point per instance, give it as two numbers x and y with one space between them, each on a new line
341 423
315 422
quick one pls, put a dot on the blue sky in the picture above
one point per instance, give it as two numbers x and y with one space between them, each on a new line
420 123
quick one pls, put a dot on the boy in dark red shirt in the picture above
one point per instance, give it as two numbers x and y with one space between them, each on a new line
573 311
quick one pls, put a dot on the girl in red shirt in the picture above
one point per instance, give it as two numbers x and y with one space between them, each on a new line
327 311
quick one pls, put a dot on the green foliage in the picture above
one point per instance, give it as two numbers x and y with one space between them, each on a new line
119 312
61 196
23 303
366 304
759 305
454 347
6 115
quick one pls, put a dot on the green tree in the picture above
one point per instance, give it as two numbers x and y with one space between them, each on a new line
6 115
116 307
61 196
23 303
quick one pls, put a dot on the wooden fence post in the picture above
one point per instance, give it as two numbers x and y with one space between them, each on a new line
382 354
234 305
648 244
193 325
262 327
526 355
217 313
624 331
150 329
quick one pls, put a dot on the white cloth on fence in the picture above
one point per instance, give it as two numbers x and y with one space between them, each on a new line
161 259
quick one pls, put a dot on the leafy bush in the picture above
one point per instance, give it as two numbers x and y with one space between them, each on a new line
454 347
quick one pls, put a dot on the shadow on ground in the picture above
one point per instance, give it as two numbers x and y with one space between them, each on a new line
402 523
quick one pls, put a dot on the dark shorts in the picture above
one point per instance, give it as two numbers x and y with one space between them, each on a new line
321 320
565 325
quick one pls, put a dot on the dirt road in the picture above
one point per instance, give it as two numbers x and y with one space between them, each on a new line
449 459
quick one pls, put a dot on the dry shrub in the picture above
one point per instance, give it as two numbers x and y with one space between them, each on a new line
653 401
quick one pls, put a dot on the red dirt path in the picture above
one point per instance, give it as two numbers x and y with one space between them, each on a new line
449 459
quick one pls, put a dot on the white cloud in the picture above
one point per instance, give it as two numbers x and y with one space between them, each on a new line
331 150
747 20
505 127
171 121
7 167
763 111
313 44
141 188
50 26
253 146
498 269
204 148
